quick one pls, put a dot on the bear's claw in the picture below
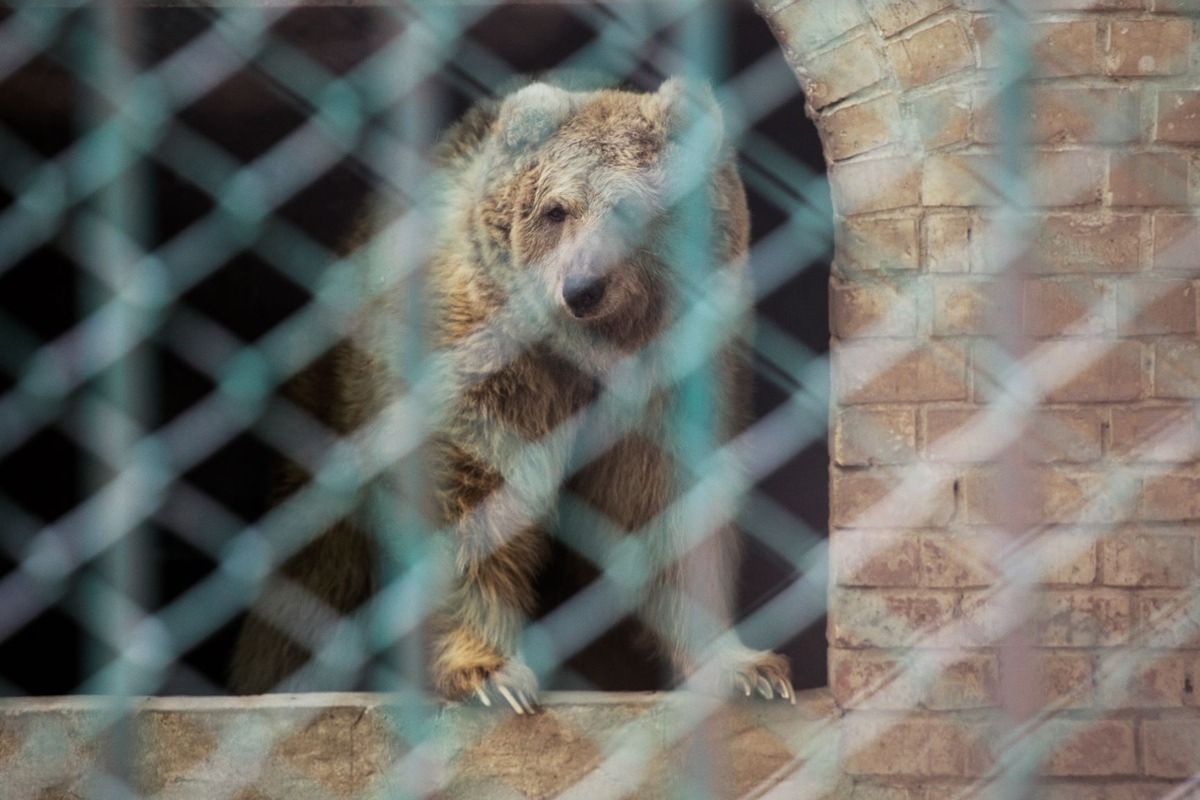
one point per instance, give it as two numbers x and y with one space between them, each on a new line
515 685
766 673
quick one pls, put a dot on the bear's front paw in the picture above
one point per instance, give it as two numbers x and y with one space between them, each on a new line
510 682
738 669
515 684
765 672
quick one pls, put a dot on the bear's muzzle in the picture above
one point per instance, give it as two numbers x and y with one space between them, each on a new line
583 293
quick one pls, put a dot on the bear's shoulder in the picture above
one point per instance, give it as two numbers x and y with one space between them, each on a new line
463 139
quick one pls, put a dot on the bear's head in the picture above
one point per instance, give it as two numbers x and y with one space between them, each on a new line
593 207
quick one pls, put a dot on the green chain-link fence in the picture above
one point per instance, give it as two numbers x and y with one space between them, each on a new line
179 185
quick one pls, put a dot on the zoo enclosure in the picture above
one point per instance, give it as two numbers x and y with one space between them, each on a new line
993 163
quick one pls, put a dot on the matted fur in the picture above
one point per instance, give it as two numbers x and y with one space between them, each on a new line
543 191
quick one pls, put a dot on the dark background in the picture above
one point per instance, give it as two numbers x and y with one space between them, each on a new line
44 477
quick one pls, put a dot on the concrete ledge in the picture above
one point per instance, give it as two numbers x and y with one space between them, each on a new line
584 745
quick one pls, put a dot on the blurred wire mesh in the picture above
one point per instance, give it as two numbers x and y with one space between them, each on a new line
178 183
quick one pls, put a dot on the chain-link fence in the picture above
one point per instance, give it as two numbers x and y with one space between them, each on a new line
302 379
201 207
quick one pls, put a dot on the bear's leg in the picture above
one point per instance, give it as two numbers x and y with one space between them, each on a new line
475 649
690 608
297 610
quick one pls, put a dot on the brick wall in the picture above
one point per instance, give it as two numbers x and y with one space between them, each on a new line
1014 554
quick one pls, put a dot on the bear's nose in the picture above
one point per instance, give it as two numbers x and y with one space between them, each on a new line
582 294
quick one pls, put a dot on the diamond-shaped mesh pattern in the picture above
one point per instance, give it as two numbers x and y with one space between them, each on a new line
182 199
180 185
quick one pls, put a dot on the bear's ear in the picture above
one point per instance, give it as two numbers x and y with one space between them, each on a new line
532 114
695 127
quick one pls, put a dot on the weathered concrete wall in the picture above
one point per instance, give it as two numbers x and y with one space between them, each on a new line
585 745
1102 308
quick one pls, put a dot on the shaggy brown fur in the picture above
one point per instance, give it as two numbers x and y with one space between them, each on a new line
550 280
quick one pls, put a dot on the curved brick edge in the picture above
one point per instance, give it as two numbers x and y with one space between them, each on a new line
364 745
877 78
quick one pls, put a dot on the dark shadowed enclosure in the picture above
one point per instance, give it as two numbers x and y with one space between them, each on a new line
235 282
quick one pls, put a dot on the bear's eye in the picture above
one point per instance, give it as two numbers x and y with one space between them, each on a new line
556 214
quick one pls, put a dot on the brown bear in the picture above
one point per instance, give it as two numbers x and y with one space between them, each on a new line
573 325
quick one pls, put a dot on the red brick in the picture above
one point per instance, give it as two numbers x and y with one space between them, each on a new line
1171 747
1066 244
948 243
873 245
863 436
1109 790
1082 618
1068 116
861 187
1062 557
1064 307
1048 496
959 561
1176 242
887 617
961 180
930 54
1155 307
835 75
1064 679
1158 433
943 117
1148 559
872 309
1190 689
1078 371
803 27
1177 369
1168 619
966 435
1066 178
1092 371
893 372
1178 117
927 747
1149 47
852 130
1074 243
863 790
1054 178
1060 48
1066 48
879 499
1067 435
1170 498
979 789
1136 678
1052 435
974 560
875 558
1081 748
941 680
966 682
893 16
1149 179
966 307
1083 5
871 679
982 621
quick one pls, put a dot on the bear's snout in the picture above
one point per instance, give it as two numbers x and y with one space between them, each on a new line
583 294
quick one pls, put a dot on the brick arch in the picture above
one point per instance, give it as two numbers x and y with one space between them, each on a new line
1105 306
